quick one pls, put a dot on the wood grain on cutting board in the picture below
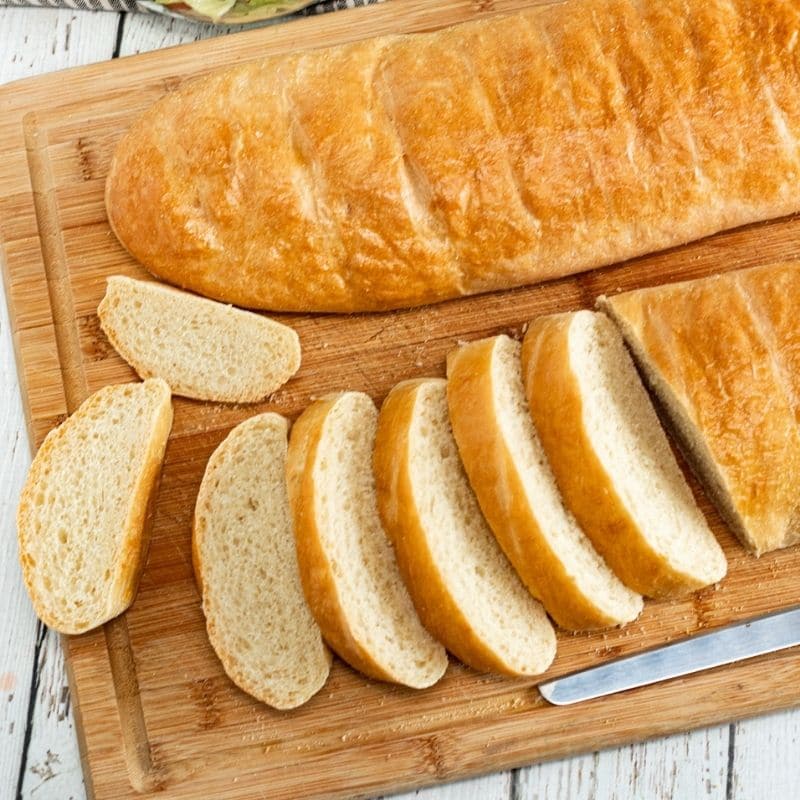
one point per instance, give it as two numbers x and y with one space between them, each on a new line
153 702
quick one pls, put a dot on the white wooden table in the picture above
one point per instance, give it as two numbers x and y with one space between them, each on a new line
38 749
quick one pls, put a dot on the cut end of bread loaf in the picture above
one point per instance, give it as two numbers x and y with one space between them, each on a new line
765 519
347 563
244 555
512 480
83 517
204 350
464 587
692 442
660 543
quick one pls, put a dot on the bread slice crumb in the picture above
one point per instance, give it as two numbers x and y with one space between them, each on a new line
83 520
465 590
349 571
203 349
245 563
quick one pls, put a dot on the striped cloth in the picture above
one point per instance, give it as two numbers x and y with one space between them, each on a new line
133 5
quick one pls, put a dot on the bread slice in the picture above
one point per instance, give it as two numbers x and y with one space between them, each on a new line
347 564
722 354
203 349
611 459
84 516
465 590
244 559
509 473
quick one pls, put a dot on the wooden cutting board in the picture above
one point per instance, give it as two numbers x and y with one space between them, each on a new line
156 713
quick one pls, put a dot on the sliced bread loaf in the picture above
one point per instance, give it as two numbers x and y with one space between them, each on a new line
611 458
347 564
465 590
509 473
84 515
203 349
722 354
244 558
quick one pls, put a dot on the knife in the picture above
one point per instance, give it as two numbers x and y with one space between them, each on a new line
736 642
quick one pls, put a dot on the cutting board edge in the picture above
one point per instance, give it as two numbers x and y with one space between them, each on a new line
440 764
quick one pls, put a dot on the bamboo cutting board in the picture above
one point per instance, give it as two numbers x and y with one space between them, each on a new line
156 713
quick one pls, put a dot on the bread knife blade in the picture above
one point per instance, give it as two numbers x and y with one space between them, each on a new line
735 642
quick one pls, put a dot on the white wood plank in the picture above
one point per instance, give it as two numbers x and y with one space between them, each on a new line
573 778
34 41
52 766
765 762
688 766
37 40
17 622
487 787
144 32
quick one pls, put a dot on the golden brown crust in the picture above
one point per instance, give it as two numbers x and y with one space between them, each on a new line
493 154
316 570
401 520
138 524
588 489
499 487
140 519
722 352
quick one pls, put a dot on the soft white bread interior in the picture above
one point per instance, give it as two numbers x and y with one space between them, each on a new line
611 458
203 349
464 588
509 473
347 564
83 520
244 558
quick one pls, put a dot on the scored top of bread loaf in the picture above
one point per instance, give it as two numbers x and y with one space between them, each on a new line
501 152
517 492
611 458
84 513
349 572
203 349
723 356
245 563
465 590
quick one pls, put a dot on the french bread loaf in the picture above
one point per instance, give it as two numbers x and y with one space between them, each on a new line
84 515
245 564
204 350
722 354
347 565
493 154
465 590
509 473
611 458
